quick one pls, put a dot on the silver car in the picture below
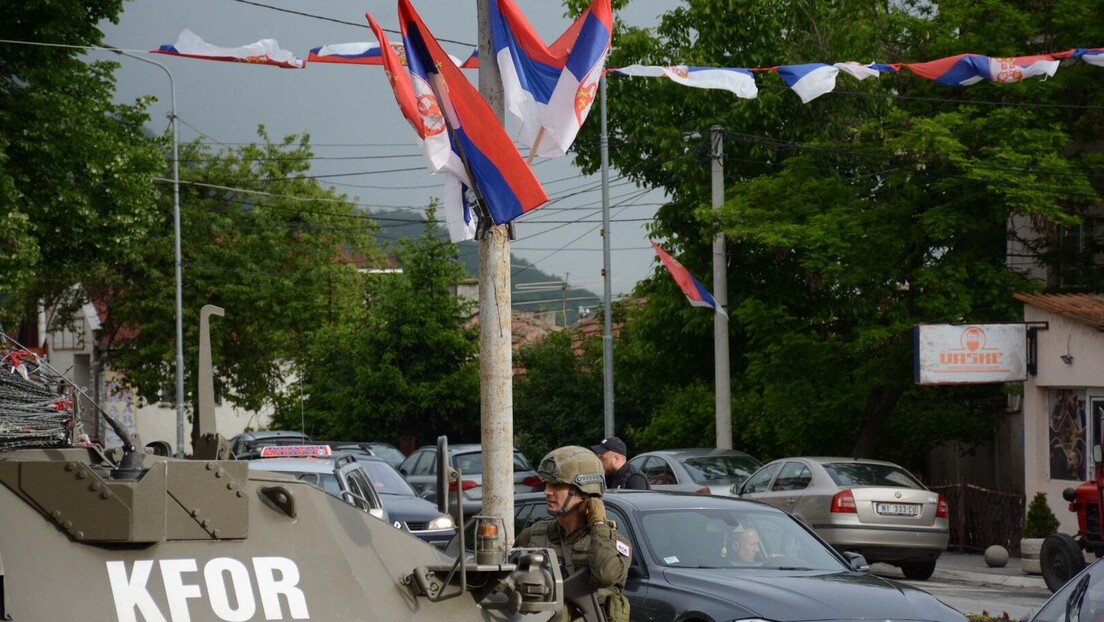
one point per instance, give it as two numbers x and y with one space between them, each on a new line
870 507
702 469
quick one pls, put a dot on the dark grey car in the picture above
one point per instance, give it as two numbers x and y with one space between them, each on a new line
405 508
685 567
420 470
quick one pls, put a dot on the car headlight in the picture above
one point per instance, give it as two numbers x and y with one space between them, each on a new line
442 522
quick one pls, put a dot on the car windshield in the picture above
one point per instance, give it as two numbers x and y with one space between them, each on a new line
472 464
386 479
847 474
707 468
390 454
1082 598
734 538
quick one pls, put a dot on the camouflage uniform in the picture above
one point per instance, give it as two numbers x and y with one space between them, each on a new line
596 546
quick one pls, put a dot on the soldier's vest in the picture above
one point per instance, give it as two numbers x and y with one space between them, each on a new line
573 557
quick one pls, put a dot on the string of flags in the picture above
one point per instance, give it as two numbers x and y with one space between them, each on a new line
549 90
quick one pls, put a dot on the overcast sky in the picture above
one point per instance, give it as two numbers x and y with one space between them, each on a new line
358 135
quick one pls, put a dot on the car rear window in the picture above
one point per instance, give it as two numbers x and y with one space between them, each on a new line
706 468
867 474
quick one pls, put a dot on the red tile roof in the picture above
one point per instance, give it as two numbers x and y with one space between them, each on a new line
1084 308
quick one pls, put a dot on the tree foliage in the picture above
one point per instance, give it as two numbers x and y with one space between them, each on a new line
260 239
849 219
75 168
400 362
558 401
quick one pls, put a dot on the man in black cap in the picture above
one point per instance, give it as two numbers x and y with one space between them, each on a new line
619 473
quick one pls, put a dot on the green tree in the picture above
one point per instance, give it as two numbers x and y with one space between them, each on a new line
401 363
76 169
849 219
558 401
261 240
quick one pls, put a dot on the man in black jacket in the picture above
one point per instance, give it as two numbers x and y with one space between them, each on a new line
619 473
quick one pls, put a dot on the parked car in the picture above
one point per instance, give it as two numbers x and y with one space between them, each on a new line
872 507
684 566
251 441
703 469
389 453
404 507
420 471
1080 598
338 474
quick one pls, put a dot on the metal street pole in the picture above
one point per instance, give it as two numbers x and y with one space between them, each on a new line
722 376
179 270
607 316
496 368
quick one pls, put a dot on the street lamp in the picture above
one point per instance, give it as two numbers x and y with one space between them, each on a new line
179 270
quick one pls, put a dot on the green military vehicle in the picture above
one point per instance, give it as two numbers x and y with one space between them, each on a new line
120 534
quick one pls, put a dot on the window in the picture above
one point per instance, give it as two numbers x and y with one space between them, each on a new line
657 471
427 464
760 482
794 476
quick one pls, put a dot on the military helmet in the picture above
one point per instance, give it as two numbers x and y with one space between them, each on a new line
574 465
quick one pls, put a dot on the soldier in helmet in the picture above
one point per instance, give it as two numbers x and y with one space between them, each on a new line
578 531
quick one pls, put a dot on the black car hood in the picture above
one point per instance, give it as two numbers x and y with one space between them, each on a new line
806 596
409 509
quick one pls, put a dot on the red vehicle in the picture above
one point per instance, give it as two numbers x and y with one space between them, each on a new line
1063 556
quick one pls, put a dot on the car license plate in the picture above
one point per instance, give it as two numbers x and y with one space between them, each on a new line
897 509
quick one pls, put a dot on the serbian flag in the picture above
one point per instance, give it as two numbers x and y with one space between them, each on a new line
446 110
419 105
967 69
694 290
739 82
364 53
263 52
809 81
550 89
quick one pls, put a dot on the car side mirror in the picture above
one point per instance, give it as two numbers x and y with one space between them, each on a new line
737 489
856 561
636 572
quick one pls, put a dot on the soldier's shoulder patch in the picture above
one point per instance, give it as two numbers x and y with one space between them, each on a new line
624 548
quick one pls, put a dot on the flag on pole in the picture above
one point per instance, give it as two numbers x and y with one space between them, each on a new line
550 89
263 52
695 292
419 105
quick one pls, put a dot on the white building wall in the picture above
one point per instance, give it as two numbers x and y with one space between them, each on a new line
1085 375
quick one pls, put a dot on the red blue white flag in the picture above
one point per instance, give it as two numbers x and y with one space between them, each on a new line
419 105
446 109
695 292
365 53
740 82
549 89
263 52
966 69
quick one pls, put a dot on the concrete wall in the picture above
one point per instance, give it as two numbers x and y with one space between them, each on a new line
1047 432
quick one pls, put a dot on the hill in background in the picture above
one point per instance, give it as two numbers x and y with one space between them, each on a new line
533 289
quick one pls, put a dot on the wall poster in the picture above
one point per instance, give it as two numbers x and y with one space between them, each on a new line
1068 447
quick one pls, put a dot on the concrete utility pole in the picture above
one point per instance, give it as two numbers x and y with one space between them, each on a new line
607 306
496 368
722 376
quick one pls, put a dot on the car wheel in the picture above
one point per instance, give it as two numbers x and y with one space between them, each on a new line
918 571
1060 558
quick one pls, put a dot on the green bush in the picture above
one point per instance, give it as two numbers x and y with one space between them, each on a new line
1040 521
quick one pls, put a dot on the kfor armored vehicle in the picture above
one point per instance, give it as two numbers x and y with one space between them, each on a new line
90 533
